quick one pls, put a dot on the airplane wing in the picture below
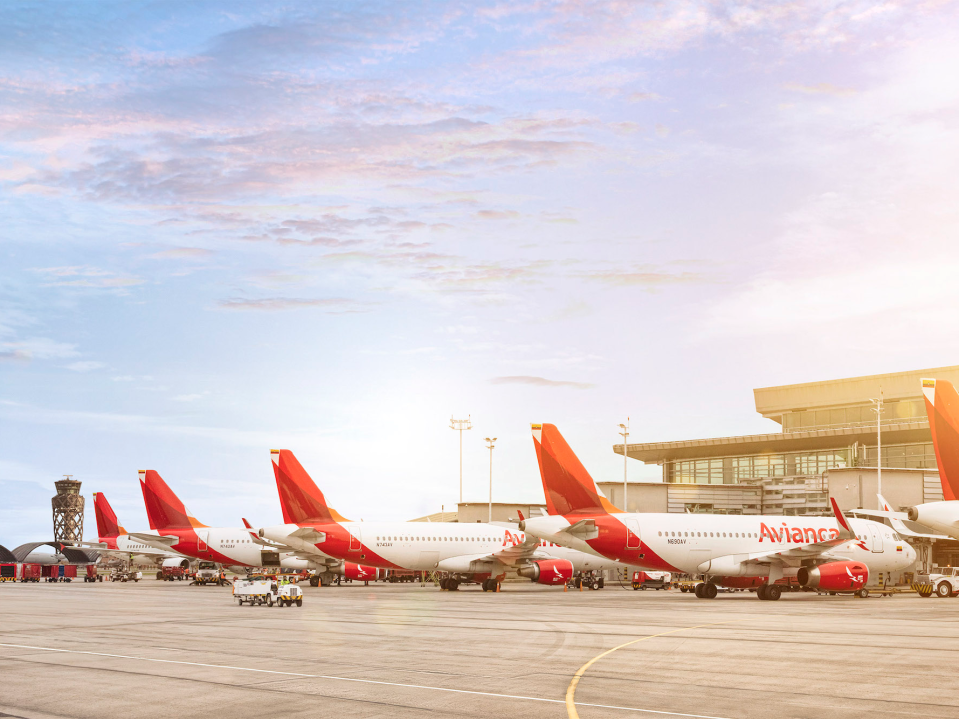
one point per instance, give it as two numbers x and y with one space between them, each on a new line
795 554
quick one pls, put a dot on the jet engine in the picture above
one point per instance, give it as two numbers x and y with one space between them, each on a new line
835 576
359 573
548 571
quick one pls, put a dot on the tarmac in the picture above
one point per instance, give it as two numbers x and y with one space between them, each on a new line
155 649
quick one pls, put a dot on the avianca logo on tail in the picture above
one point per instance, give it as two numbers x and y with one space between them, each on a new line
806 535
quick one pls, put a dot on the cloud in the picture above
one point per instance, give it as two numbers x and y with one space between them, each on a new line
182 253
644 278
333 305
190 397
643 97
823 88
86 276
497 214
37 348
540 382
86 366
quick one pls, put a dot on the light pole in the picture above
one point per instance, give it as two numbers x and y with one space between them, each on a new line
460 425
490 443
878 410
625 435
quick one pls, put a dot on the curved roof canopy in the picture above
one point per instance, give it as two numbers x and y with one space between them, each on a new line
74 555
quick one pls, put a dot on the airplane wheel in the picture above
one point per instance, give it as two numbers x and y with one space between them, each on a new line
710 591
863 593
594 585
699 590
943 590
773 592
452 585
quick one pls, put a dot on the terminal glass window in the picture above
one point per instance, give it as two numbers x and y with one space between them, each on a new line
733 470
921 455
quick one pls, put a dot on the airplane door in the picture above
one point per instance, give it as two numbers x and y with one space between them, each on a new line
201 540
632 534
875 538
355 539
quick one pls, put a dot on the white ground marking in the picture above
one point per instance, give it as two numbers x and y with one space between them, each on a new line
357 681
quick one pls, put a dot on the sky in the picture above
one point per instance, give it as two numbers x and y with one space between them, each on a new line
229 227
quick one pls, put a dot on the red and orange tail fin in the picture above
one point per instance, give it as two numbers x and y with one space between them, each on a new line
108 527
569 488
300 499
164 508
942 408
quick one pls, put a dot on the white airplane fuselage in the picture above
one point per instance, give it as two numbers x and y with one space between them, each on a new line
719 544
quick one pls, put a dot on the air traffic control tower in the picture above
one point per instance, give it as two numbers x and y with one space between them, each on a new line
827 447
68 505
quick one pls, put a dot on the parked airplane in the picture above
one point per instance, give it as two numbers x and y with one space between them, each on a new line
733 550
477 552
179 530
114 539
942 408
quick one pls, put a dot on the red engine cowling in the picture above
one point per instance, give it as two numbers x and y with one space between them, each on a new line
548 571
835 576
359 573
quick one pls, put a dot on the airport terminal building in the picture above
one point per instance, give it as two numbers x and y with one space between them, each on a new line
827 447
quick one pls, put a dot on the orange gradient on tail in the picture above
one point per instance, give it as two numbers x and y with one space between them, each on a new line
108 527
568 486
164 508
300 499
942 408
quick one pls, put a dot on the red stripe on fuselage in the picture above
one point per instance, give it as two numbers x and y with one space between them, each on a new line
337 544
613 540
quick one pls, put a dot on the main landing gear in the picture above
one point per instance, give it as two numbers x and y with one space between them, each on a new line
706 590
490 585
449 584
770 592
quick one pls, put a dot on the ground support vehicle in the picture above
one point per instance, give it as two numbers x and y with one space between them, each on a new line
92 575
9 572
945 581
122 575
173 574
30 572
209 573
586 580
687 585
266 591
651 580
59 572
401 575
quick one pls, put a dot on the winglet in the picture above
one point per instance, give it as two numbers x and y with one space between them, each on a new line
845 528
884 505
253 534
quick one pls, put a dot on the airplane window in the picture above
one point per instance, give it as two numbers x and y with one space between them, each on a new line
710 534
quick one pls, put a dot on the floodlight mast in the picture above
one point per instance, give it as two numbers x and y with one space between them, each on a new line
461 425
490 443
625 435
878 410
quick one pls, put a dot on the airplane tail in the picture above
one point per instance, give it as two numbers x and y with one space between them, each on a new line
164 508
108 527
568 487
942 408
300 499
